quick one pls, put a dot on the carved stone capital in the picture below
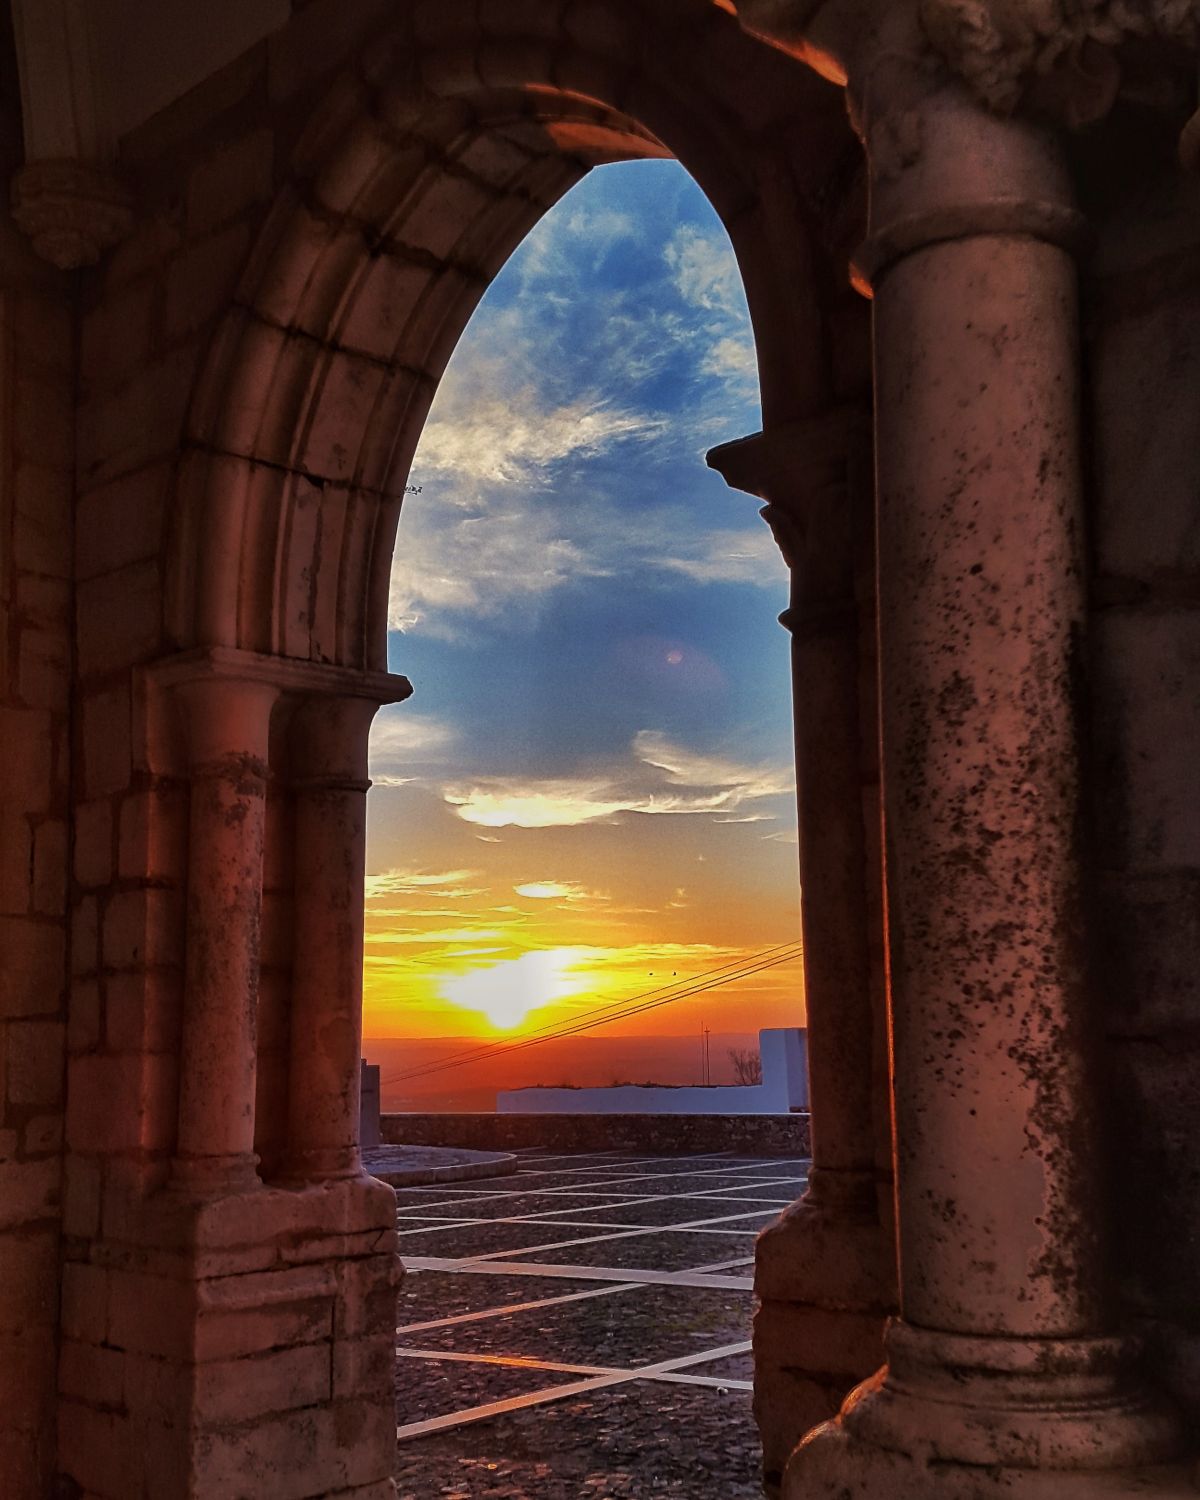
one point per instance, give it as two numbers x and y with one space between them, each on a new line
801 469
72 211
1060 52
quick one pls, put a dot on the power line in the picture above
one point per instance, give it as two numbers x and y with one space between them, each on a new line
635 1006
621 1007
603 1021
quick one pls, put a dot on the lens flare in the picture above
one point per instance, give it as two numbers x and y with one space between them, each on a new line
506 992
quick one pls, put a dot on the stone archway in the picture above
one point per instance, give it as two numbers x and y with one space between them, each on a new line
408 191
268 1256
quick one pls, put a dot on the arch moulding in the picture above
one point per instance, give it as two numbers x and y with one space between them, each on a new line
424 168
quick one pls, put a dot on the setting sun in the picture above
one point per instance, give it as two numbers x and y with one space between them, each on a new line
506 992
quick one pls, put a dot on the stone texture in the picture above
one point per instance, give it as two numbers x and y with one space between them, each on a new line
676 1133
203 445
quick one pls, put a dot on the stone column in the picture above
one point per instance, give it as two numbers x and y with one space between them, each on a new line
329 781
830 1250
801 470
227 723
1004 1374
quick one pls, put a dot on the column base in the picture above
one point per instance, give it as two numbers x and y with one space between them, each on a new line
328 1164
958 1416
825 1278
214 1176
833 1465
253 1337
826 1256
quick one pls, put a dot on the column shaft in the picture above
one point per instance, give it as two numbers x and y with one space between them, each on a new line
981 607
1004 1357
825 1271
824 623
329 760
802 471
227 724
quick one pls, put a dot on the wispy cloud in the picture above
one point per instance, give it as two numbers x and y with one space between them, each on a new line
518 460
402 741
517 437
559 890
560 242
443 883
401 937
693 768
664 778
705 272
480 564
748 556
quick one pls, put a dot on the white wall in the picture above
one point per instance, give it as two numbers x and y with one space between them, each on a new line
784 1087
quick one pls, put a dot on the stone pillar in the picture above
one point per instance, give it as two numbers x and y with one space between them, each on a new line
1004 1374
227 724
329 781
825 1272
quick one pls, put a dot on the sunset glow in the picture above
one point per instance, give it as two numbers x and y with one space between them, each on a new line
589 801
506 992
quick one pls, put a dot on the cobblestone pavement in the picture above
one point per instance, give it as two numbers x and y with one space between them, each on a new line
581 1330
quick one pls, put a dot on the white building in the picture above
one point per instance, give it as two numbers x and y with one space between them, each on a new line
784 1088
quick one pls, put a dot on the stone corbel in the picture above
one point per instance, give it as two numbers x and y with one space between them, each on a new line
72 211
1059 55
787 465
67 198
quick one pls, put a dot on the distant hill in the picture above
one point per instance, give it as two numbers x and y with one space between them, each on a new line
581 1061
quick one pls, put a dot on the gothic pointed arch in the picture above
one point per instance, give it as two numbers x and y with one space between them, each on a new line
426 164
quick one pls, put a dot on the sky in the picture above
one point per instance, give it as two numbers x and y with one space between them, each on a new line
590 794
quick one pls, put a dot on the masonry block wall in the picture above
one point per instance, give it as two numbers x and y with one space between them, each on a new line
36 458
1142 331
267 338
203 444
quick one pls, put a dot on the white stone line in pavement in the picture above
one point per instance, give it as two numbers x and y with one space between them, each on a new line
694 1226
546 1215
504 1361
633 1161
623 1198
722 1265
618 1164
718 1171
684 1361
773 1163
412 1430
520 1362
736 1195
599 1239
552 1220
620 1182
561 1392
482 1314
421 1210
533 1153
623 1202
596 1239
577 1273
721 1382
434 1225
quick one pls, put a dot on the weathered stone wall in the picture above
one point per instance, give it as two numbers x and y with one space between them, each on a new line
36 456
251 365
1142 329
660 1135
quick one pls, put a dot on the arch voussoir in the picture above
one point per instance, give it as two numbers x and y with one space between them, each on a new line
435 153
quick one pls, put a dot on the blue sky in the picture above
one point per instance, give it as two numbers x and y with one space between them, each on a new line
588 615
